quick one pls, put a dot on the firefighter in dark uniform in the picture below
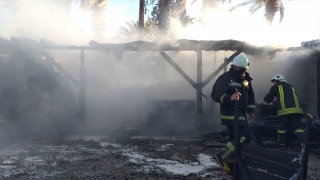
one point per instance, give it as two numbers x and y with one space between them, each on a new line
234 85
288 108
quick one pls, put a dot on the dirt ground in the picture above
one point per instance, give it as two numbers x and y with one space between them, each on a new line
97 157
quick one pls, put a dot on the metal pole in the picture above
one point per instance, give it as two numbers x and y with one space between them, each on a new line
199 84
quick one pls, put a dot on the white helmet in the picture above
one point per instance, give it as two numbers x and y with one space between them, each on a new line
277 77
240 61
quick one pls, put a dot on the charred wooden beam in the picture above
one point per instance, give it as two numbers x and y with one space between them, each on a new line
185 45
318 83
258 174
151 140
223 65
270 154
305 151
180 71
244 170
82 93
60 68
199 85
268 163
279 169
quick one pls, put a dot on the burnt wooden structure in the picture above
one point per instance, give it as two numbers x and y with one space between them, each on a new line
261 163
248 165
181 45
198 47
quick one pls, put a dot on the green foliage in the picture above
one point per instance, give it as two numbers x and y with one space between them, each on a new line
132 32
97 7
271 7
177 10
129 32
151 31
150 27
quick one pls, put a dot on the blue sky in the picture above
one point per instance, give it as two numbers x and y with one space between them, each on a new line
301 22
131 8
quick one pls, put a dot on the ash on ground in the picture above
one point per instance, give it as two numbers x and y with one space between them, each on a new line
97 157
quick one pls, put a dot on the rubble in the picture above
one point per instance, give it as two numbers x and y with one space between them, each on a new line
100 157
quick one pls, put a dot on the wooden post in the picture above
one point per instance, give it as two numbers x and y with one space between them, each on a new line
214 68
318 83
82 89
305 151
225 68
199 84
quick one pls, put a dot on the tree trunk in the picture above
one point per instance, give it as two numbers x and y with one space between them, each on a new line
98 23
182 7
141 14
164 8
271 8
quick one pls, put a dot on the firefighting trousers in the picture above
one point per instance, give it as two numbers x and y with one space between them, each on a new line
293 122
245 133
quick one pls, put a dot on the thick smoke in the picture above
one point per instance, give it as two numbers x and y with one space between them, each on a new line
119 90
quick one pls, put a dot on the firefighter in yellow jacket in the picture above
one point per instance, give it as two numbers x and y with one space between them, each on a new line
234 85
288 108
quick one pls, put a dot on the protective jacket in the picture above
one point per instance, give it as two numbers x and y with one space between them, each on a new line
228 84
287 100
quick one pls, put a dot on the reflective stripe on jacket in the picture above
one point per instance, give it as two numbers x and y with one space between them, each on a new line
222 90
287 99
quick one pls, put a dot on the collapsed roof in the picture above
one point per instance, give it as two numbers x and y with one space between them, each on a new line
118 50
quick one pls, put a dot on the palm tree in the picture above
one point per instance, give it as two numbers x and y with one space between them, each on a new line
271 7
164 10
132 31
141 13
129 32
97 8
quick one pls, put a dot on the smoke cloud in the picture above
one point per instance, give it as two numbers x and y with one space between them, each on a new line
118 89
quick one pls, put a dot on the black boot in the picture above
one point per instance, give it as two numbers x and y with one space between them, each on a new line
225 159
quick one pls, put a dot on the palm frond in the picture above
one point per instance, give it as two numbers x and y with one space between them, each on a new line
223 1
241 5
194 1
124 30
89 4
150 2
281 9
271 8
255 7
